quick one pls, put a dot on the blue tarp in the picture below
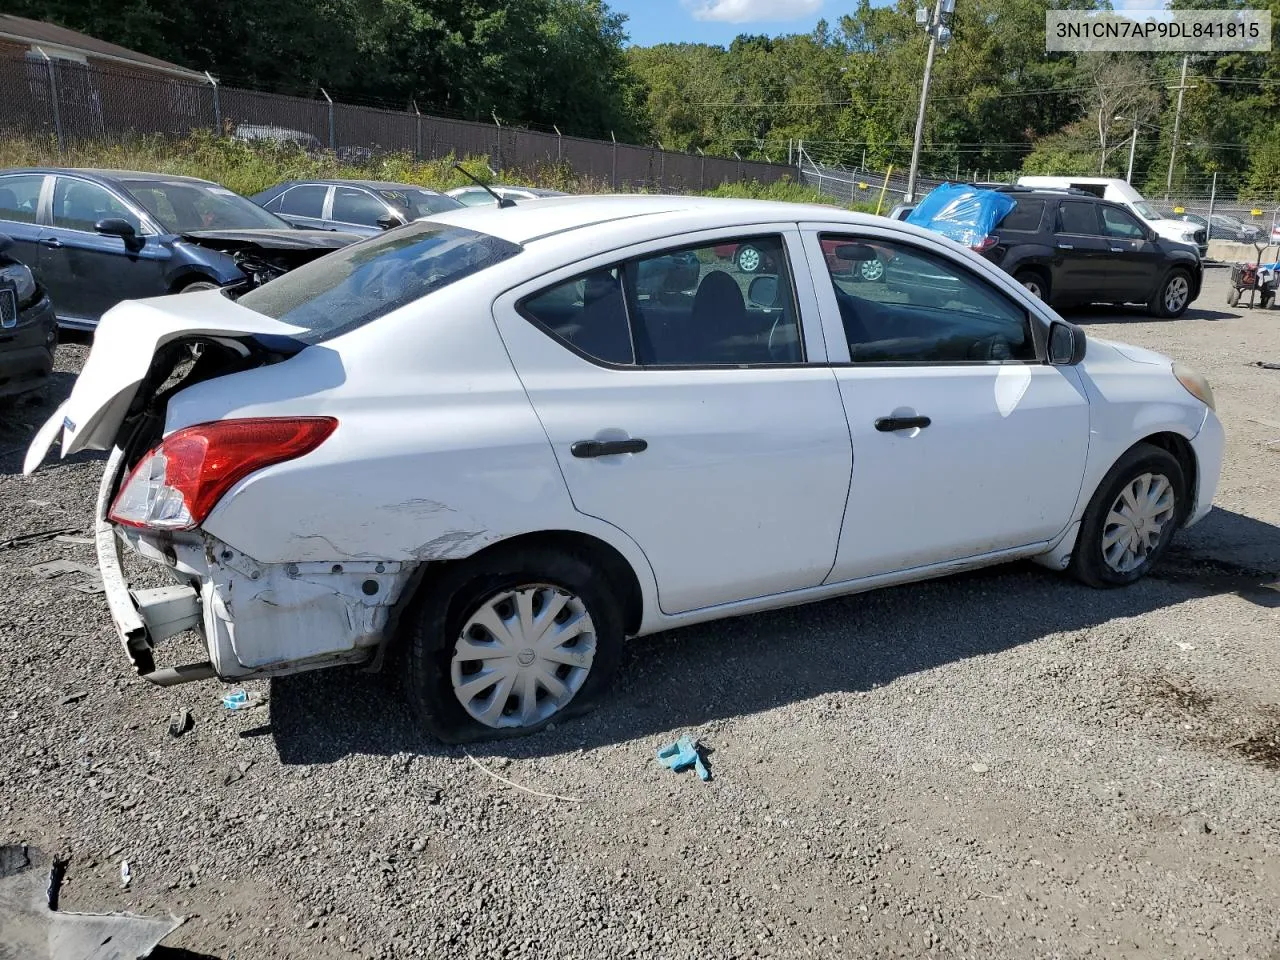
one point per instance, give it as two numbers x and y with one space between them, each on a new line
961 213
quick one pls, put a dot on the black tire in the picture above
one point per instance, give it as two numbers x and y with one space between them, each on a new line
196 286
434 627
1034 278
1088 562
1233 296
753 257
1159 305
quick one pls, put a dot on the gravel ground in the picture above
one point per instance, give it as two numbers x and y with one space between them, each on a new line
1003 764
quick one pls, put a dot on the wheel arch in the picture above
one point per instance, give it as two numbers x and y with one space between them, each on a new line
1182 451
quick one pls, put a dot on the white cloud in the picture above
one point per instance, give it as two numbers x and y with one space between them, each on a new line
750 11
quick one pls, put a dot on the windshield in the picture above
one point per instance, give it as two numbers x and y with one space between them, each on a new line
360 283
182 207
1145 210
412 204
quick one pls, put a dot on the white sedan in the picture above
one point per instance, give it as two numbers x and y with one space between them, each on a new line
496 443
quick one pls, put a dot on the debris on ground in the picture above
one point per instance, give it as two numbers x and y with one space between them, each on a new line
180 723
56 568
1265 365
35 929
26 539
126 875
241 700
75 696
682 754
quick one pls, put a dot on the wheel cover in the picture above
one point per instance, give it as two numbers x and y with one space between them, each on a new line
1033 287
749 259
872 269
1175 293
1137 522
523 655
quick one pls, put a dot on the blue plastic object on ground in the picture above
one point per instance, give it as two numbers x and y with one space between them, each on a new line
960 213
684 754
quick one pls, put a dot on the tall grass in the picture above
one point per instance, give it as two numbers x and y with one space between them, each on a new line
248 168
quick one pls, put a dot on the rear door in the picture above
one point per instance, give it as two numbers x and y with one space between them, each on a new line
1135 262
1080 272
357 210
702 422
20 203
86 272
304 205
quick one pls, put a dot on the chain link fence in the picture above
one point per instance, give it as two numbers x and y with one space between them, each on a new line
75 103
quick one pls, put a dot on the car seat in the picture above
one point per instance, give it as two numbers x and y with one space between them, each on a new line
604 333
719 313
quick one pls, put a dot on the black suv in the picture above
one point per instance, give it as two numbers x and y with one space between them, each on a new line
1069 247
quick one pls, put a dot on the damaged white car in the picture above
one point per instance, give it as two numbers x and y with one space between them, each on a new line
503 440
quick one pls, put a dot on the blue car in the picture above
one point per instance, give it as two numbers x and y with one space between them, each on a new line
366 207
96 237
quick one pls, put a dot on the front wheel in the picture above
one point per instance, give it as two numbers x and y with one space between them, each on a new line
1131 519
1173 296
505 644
871 270
197 286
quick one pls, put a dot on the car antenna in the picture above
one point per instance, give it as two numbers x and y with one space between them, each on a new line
503 202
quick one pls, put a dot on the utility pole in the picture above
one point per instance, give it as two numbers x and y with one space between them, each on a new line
1133 143
1177 117
932 23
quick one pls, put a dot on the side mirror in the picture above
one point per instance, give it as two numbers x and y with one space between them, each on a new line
119 227
763 291
1067 344
388 221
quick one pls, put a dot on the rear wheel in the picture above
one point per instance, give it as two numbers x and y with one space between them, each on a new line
871 270
749 259
502 645
1035 282
1173 296
1233 296
1131 519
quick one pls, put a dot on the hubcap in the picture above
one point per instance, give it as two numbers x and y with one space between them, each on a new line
872 269
522 656
1176 293
749 259
1033 287
1137 521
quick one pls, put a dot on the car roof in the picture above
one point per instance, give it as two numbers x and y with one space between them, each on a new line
561 215
97 173
371 184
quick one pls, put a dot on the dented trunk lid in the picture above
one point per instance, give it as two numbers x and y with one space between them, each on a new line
125 345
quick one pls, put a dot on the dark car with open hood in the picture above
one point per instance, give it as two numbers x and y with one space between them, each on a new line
95 237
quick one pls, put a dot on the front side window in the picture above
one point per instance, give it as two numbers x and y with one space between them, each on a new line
1078 218
186 206
356 285
20 197
922 308
1121 225
353 205
731 303
79 205
306 201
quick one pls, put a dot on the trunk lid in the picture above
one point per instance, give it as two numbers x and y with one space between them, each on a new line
125 347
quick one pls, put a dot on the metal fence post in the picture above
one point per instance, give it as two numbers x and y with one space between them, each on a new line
53 98
1213 194
615 159
662 166
497 138
739 156
332 139
217 107
702 170
559 145
417 131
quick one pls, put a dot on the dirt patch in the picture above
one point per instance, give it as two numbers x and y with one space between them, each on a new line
1263 747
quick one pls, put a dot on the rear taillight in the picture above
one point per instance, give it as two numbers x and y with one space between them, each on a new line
176 485
985 244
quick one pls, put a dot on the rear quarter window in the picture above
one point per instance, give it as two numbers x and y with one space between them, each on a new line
1027 215
358 284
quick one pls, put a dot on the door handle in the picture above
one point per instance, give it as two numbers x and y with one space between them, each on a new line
585 449
53 242
1065 246
890 424
1117 249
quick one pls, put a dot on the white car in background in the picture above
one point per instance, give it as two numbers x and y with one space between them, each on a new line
478 196
476 440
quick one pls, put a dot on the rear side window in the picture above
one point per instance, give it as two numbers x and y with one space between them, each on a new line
358 284
1079 218
1025 216
20 196
589 313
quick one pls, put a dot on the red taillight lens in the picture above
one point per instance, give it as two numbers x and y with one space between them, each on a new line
176 485
985 244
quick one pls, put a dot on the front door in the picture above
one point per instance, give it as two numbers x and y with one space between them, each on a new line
693 411
964 442
1081 273
87 273
1135 261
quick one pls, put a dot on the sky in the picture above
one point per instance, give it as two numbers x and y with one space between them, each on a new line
719 21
